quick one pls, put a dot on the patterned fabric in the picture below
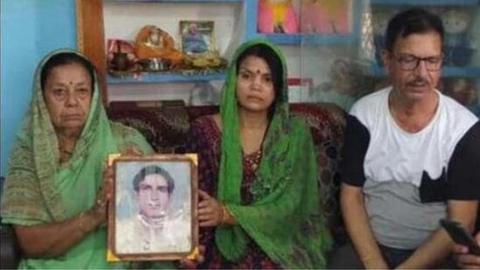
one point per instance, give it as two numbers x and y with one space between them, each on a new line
40 190
163 127
327 123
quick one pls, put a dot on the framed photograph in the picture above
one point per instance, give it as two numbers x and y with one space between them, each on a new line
197 37
153 214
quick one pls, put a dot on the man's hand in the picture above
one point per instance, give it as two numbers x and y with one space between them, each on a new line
358 227
464 258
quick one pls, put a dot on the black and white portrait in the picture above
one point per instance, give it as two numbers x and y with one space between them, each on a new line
154 207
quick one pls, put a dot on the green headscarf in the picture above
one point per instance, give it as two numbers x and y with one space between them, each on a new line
40 190
285 219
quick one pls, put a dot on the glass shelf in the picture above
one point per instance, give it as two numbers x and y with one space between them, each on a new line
165 78
297 39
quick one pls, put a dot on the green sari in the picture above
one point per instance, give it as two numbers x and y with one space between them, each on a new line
285 219
40 190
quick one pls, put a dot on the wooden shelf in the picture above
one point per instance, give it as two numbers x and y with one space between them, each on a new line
316 39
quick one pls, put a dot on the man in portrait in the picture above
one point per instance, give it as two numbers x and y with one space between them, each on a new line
194 41
156 227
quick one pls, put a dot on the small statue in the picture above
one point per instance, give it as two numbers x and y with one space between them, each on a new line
152 42
458 48
155 38
120 55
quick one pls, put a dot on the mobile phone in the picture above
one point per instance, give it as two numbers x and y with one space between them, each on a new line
460 235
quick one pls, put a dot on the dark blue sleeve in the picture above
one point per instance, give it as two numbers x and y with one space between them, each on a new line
357 138
463 173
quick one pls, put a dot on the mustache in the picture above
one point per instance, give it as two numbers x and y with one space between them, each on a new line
419 81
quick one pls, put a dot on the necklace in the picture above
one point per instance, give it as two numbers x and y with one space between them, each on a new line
253 160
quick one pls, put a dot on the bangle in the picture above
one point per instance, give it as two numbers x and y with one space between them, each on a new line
225 215
220 215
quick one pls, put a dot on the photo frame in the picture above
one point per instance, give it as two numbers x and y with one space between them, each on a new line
153 211
197 37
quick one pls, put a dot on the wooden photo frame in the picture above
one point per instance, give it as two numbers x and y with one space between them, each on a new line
153 212
197 37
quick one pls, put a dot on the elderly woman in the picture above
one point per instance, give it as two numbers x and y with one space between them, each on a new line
53 193
260 204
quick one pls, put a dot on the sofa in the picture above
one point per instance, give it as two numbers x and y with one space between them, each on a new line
165 126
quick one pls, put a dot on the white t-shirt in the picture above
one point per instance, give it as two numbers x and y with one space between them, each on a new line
408 177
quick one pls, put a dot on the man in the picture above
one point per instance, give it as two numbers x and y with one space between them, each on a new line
154 228
411 157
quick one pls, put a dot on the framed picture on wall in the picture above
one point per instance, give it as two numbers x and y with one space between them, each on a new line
197 37
152 215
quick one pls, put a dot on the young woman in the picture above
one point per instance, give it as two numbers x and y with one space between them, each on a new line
257 168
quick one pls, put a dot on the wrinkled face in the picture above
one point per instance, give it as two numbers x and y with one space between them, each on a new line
68 95
255 91
410 80
153 197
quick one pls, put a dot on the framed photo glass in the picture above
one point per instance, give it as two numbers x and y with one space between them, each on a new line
197 37
153 211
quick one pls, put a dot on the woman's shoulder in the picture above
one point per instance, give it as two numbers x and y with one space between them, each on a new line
122 130
129 137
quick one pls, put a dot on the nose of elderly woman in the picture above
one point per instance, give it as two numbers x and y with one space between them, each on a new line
72 99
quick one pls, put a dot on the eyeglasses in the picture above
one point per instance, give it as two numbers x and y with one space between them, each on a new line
411 62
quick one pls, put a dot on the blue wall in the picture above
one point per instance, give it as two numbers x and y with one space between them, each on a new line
29 30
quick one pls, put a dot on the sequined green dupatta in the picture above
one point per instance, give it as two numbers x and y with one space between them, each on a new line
285 220
40 190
